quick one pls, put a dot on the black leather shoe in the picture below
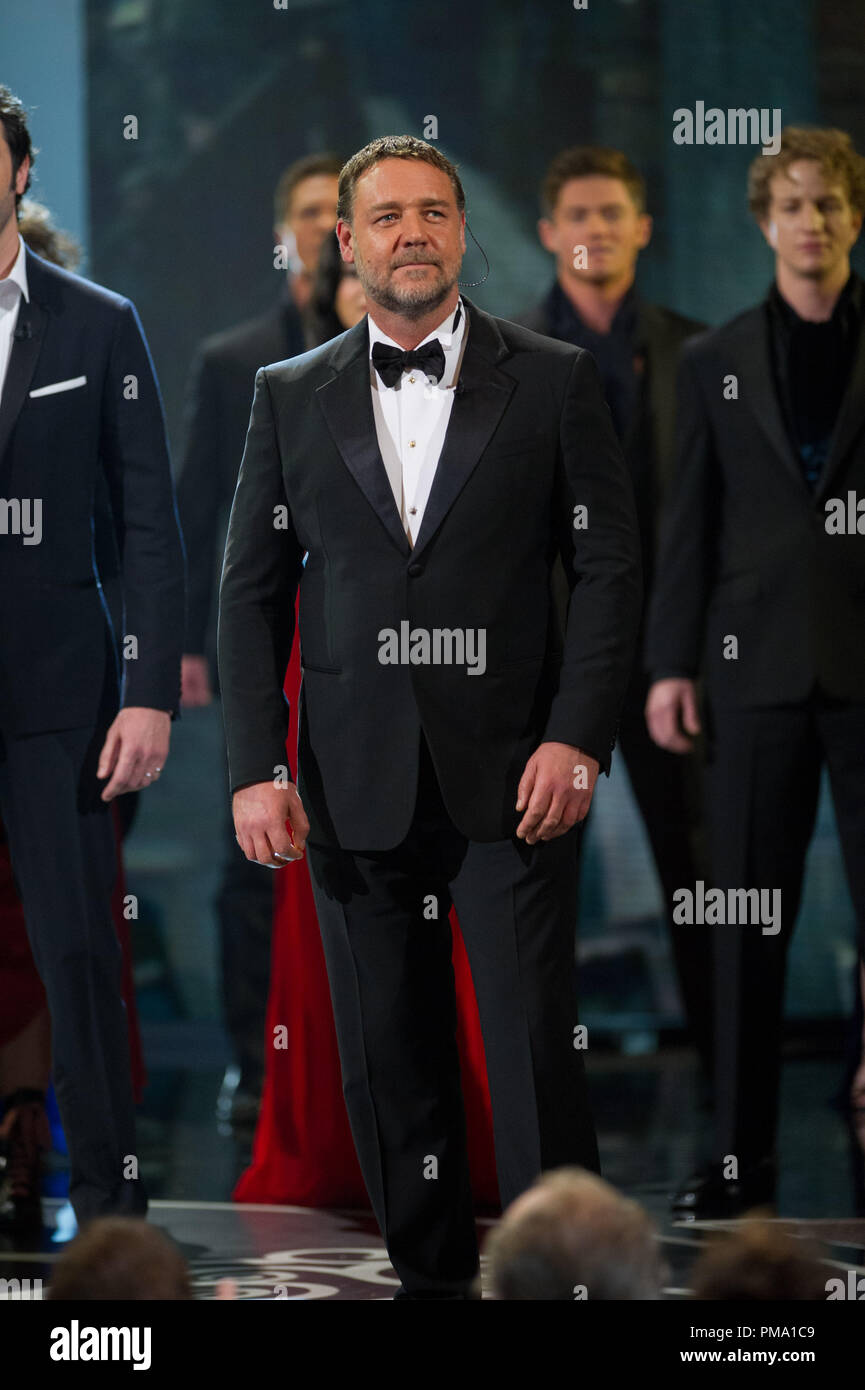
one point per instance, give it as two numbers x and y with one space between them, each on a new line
708 1195
25 1133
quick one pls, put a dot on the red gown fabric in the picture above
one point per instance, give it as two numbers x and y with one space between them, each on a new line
303 1153
22 995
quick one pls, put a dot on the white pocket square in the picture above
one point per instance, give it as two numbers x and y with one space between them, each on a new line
60 386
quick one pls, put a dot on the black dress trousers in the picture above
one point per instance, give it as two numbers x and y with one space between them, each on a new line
763 783
387 942
61 841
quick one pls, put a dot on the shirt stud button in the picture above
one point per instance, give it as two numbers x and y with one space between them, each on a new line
411 443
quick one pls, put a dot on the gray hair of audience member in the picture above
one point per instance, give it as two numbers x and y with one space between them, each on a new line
573 1236
123 1258
758 1262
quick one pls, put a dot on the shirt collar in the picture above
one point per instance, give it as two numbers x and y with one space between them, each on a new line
450 339
18 273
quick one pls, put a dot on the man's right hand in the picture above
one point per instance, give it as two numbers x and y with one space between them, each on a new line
260 814
671 714
195 681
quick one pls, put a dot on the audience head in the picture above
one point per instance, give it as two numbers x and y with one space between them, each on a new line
120 1257
572 1237
759 1262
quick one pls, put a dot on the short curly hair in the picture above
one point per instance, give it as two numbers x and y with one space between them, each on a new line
833 150
392 147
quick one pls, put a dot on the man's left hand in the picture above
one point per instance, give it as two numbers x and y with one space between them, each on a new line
135 750
555 791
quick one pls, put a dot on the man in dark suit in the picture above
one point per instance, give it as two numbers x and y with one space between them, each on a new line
417 477
761 589
595 224
81 432
220 394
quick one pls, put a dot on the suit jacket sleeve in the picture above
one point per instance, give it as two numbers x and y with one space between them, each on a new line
134 455
260 576
199 496
603 569
677 613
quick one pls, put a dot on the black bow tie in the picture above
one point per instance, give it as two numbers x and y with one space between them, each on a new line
391 362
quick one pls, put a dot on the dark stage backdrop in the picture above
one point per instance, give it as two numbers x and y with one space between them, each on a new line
227 94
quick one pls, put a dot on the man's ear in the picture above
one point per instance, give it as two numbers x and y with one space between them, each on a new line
646 227
769 230
343 236
547 234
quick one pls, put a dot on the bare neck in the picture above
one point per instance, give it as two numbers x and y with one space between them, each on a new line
597 305
812 299
409 332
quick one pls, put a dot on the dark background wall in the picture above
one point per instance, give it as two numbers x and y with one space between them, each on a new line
227 95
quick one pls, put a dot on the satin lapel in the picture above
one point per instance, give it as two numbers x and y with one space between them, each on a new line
851 418
346 402
479 403
757 383
32 319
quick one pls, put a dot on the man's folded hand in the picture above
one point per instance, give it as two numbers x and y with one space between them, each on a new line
270 823
555 791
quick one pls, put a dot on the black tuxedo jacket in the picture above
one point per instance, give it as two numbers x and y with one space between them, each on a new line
217 414
529 438
662 333
746 552
649 444
109 565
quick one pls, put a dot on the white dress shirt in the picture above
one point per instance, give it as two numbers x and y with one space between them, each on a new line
12 287
411 419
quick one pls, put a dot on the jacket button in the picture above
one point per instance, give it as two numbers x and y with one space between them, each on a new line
415 569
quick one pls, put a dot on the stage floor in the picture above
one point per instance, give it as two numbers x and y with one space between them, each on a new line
648 1124
276 1253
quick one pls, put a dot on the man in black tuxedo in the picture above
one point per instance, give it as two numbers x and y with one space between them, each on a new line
595 224
761 589
220 394
450 734
82 436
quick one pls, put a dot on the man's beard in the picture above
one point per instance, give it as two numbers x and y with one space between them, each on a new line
411 301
